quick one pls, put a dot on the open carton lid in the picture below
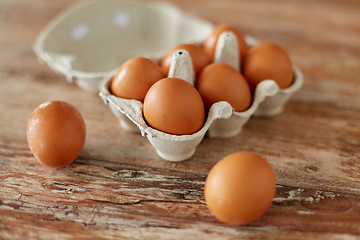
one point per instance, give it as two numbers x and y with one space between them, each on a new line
91 40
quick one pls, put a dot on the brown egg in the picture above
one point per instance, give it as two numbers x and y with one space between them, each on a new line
220 82
198 57
267 61
174 106
135 77
56 133
211 41
240 188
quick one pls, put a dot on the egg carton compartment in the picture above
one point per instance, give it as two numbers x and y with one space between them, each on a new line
274 105
91 40
222 119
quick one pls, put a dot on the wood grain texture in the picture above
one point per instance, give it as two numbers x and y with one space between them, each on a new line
119 188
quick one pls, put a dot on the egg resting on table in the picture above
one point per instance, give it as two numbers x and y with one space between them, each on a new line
240 188
56 133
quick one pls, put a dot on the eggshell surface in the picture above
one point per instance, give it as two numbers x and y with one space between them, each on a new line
220 82
56 133
267 61
174 106
198 57
211 41
135 77
240 188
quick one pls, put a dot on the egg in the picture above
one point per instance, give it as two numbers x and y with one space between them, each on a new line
240 188
267 61
198 57
174 106
211 41
221 82
56 133
135 77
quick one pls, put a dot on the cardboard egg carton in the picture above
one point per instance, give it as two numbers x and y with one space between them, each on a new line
222 120
88 43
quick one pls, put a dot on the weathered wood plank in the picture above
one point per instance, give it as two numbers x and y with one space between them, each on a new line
119 188
98 193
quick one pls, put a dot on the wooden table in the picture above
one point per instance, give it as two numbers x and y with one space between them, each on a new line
119 188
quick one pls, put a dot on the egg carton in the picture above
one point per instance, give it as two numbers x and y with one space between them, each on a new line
88 42
222 119
92 39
